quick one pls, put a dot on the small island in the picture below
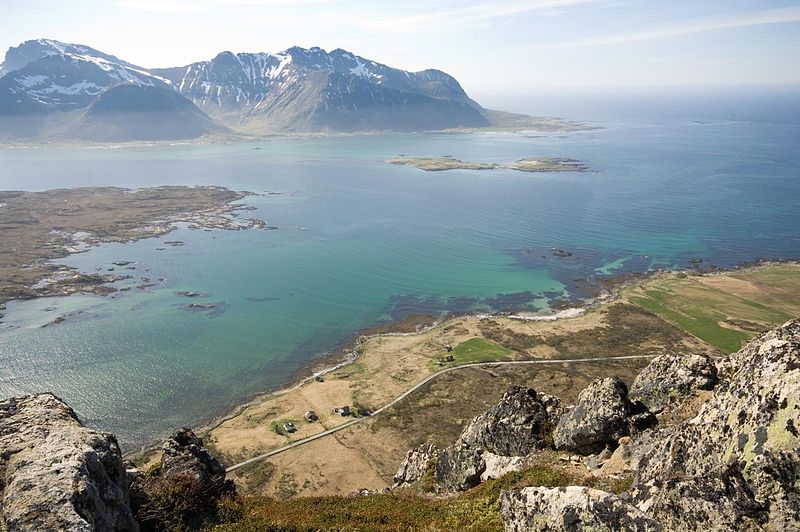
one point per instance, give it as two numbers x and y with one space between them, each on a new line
528 164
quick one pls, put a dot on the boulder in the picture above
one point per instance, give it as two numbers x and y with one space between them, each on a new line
573 508
415 464
185 457
521 422
56 474
183 490
668 379
599 418
743 446
459 468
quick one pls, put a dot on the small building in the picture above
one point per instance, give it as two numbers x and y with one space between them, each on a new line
448 348
344 411
289 427
311 416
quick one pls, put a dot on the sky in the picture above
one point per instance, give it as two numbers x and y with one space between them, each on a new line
491 46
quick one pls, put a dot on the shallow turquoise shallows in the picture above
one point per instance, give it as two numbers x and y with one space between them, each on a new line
362 242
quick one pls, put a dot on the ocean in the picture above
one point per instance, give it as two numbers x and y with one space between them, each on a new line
675 175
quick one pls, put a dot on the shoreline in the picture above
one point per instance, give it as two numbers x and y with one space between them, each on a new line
31 269
350 352
526 124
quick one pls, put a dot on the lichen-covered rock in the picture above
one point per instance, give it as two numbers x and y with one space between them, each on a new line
745 441
720 501
670 378
459 468
600 417
573 508
181 492
515 426
496 466
415 464
56 474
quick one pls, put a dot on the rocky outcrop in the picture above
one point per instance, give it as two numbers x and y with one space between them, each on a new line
415 465
183 490
56 474
737 463
602 415
668 379
520 423
459 468
571 508
185 457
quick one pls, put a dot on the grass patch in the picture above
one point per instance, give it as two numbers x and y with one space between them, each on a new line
701 323
477 509
725 310
480 350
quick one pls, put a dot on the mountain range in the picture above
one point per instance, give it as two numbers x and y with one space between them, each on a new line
61 91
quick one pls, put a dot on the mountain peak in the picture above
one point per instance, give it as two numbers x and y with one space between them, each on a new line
297 89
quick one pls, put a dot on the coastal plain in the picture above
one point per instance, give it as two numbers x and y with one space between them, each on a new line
366 455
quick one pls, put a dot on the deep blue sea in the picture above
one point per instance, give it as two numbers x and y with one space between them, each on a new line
675 174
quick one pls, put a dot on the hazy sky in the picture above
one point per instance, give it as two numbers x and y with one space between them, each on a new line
490 46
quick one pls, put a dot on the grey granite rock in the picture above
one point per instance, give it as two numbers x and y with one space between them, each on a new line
599 418
415 464
56 474
515 426
670 378
459 468
743 446
573 508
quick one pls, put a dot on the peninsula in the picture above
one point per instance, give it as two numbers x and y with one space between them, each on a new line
38 227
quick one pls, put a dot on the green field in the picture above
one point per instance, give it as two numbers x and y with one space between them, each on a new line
480 350
725 310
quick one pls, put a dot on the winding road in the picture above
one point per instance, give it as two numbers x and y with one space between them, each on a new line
411 390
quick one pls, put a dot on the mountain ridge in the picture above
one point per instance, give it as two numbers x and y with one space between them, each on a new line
298 90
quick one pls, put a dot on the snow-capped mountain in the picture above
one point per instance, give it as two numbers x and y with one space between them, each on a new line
297 90
46 75
310 89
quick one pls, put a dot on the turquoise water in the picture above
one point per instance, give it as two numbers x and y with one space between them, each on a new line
362 242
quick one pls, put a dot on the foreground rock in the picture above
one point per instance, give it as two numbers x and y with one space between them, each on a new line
669 379
415 465
520 423
570 508
459 468
182 491
735 465
602 415
56 474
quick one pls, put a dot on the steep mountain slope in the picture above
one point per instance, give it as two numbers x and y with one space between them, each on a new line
297 90
47 85
313 90
52 76
134 112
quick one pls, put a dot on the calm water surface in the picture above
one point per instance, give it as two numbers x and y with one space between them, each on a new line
362 242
